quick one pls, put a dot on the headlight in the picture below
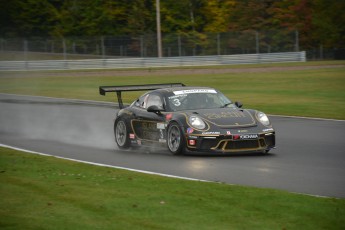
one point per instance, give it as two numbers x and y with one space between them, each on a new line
263 118
196 122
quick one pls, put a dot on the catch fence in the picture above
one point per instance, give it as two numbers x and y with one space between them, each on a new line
144 46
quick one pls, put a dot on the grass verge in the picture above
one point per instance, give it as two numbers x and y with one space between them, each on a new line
301 92
39 192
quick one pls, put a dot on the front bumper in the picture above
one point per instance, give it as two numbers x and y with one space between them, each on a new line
230 144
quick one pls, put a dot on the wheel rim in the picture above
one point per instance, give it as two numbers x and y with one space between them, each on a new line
174 138
121 133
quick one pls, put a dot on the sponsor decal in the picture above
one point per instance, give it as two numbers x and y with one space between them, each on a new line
267 130
160 126
245 137
191 142
190 130
211 133
161 134
131 136
177 96
228 133
194 91
162 140
150 126
228 114
168 116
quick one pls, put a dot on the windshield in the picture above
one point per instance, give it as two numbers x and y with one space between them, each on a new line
197 99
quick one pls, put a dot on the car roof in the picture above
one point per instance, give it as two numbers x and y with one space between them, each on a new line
172 89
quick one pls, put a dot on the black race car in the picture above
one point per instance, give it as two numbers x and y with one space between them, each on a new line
189 120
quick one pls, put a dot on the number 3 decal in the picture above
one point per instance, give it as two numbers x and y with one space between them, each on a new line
176 102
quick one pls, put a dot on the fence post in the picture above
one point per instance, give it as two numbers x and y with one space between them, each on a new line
321 52
104 62
141 46
25 48
64 52
257 42
218 44
179 45
296 41
52 47
64 49
102 47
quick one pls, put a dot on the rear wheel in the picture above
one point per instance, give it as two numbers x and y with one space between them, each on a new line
121 134
175 139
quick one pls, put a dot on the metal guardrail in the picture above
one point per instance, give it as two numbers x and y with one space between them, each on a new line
153 62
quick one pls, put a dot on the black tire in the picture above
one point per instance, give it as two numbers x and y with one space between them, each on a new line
175 139
121 132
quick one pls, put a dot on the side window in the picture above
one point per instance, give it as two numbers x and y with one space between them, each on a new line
154 100
142 101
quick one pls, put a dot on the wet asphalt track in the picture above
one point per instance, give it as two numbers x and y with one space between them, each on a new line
309 158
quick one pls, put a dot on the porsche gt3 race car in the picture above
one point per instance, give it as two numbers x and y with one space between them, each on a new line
189 120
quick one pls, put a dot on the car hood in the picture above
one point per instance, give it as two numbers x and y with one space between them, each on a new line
227 117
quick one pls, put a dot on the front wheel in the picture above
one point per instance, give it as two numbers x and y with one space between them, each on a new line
175 139
265 152
121 134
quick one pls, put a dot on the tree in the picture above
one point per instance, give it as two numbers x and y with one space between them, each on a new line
28 18
251 15
217 15
294 15
91 17
182 16
141 17
318 21
329 20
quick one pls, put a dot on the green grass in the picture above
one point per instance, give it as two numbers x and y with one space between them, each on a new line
47 193
308 92
39 192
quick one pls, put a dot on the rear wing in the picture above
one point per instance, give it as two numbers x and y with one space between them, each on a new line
118 89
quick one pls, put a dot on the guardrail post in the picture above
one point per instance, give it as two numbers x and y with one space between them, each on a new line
303 56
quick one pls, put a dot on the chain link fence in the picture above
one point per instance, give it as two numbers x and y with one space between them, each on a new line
174 45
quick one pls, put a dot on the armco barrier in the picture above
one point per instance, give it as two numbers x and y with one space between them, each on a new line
152 62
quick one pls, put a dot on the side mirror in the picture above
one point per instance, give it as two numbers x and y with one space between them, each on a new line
154 109
238 104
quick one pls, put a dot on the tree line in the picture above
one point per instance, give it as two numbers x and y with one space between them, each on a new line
317 21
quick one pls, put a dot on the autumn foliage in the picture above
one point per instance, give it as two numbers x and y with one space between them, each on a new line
317 21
